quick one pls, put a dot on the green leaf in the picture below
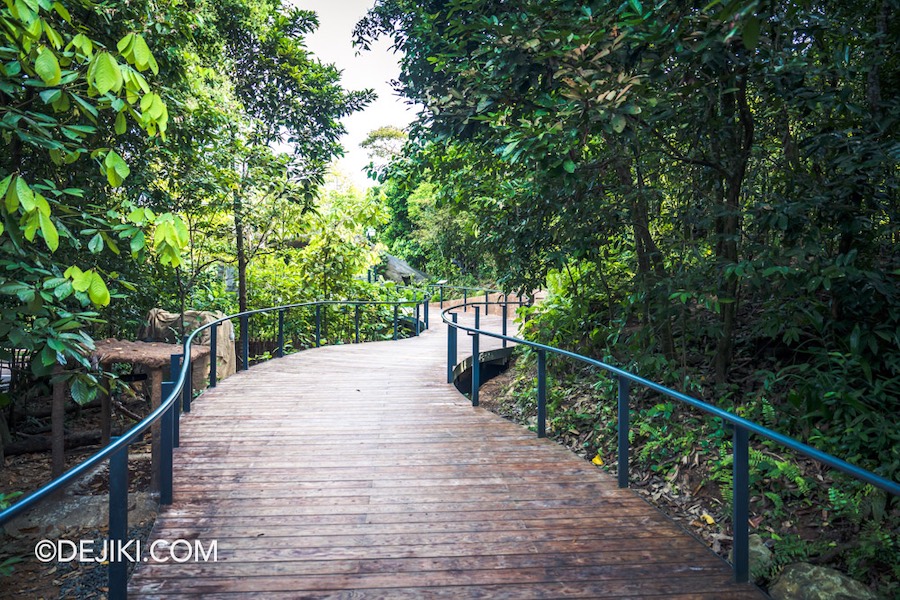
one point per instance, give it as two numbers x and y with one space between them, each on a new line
4 185
143 58
569 165
82 393
618 123
48 229
121 125
97 292
81 280
636 5
116 168
107 74
62 12
23 194
138 242
47 66
751 33
96 244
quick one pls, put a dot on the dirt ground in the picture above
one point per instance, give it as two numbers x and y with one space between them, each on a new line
80 513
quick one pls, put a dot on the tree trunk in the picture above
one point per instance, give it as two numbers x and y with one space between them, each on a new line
649 259
57 427
238 207
728 222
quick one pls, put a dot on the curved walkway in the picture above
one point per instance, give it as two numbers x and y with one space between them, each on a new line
355 472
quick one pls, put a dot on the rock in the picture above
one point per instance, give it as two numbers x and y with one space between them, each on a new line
803 581
760 558
53 518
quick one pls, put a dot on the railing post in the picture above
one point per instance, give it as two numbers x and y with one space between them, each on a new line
624 426
356 320
542 393
318 325
188 388
465 300
504 315
425 303
174 366
451 348
166 442
476 362
280 352
396 308
417 318
213 363
442 297
741 508
118 522
245 341
486 293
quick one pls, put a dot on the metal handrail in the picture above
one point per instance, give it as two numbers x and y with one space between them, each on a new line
173 392
741 427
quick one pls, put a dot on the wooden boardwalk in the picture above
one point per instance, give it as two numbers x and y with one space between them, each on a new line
356 472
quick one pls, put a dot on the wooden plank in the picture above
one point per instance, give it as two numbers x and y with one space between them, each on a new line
355 472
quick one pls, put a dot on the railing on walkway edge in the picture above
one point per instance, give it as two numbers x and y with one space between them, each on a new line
741 428
176 397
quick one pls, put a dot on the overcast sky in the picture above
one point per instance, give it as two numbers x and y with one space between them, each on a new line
332 43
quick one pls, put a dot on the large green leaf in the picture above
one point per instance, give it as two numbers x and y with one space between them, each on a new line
116 168
98 292
48 229
47 66
107 74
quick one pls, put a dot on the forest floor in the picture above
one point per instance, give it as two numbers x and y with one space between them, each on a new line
688 493
81 514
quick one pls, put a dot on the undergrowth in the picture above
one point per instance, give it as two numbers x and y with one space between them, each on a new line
681 459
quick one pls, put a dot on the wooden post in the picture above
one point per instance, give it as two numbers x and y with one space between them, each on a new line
155 400
106 412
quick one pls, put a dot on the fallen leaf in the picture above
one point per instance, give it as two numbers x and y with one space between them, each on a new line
597 461
709 520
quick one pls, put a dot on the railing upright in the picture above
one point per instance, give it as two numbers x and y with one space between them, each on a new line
741 504
395 321
166 442
541 393
624 425
451 349
503 317
245 342
280 351
174 367
186 390
356 321
213 363
476 358
118 522
318 325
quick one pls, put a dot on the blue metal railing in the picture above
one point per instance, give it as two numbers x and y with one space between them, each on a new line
176 396
742 428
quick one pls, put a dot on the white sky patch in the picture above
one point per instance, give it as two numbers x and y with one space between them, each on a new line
333 43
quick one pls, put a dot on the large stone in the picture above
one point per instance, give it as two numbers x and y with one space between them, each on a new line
803 581
760 558
53 518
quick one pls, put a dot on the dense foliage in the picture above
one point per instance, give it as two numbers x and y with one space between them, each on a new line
150 148
711 191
